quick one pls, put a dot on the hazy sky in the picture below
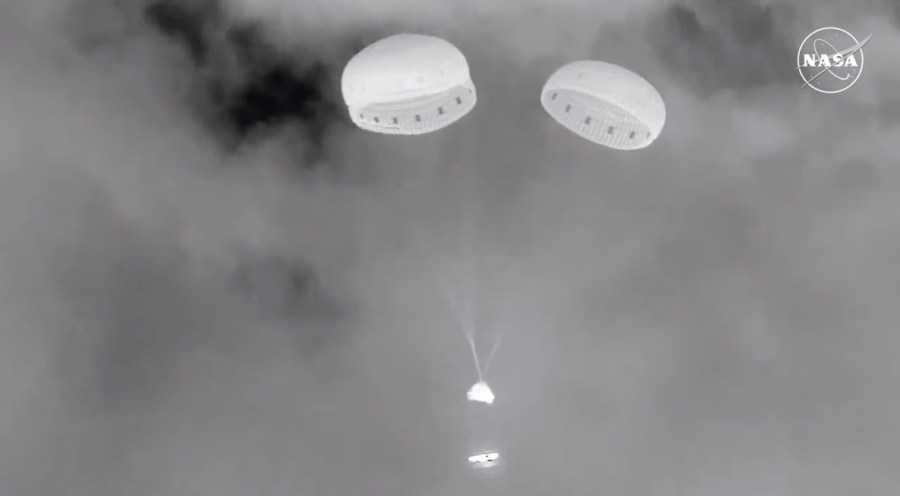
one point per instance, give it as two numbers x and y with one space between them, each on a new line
188 313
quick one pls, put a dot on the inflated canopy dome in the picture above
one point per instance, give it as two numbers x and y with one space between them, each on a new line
408 84
605 103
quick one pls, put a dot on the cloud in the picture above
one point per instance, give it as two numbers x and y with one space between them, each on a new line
191 309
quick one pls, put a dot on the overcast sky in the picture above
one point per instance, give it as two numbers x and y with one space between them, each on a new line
190 312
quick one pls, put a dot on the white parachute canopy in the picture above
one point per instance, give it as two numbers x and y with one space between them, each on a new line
408 84
605 103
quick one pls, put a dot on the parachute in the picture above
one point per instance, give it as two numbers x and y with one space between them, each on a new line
408 84
605 103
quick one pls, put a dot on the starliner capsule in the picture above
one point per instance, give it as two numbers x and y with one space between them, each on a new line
481 393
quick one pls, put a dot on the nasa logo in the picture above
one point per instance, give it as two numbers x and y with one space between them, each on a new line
830 60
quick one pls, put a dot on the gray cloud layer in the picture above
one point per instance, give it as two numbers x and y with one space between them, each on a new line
183 315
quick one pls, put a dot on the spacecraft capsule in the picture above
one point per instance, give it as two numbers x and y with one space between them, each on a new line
481 393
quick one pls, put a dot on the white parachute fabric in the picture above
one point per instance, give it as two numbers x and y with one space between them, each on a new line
408 84
605 103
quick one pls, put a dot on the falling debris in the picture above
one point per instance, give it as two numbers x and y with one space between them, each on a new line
481 393
484 460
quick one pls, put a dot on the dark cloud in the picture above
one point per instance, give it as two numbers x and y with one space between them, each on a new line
186 23
289 292
252 86
732 45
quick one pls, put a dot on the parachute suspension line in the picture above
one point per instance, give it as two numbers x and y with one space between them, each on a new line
465 325
497 323
463 309
487 363
471 260
478 369
468 300
452 301
470 284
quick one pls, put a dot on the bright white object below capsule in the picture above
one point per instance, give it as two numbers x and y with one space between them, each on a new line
481 393
484 460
